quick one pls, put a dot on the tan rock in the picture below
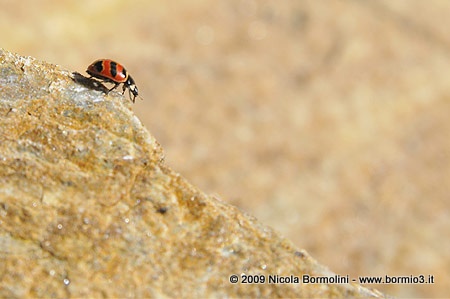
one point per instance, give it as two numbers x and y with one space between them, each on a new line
89 209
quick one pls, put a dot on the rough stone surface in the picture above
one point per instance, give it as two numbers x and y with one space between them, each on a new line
88 207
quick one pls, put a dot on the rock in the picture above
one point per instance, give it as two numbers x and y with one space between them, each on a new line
88 207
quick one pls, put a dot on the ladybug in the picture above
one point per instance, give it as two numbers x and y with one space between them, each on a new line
113 72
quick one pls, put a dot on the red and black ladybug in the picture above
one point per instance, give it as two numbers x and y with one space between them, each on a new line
113 72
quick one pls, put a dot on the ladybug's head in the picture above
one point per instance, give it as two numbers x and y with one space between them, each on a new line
132 88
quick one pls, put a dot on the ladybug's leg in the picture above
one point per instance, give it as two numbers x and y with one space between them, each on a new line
134 97
114 87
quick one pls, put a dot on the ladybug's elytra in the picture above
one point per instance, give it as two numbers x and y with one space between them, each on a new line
113 72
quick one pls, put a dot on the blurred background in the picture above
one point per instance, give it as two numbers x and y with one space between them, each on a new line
327 120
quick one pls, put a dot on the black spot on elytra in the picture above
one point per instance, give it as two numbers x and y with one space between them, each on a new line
113 69
99 66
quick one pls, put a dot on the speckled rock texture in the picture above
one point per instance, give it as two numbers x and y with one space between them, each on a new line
88 207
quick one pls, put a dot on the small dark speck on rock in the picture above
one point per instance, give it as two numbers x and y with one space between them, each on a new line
162 210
